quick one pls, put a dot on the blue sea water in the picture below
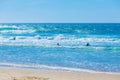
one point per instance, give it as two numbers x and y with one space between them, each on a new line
58 46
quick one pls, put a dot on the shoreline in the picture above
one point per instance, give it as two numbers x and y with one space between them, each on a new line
51 68
28 74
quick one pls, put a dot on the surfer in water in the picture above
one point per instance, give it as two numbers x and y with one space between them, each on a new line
14 38
58 44
87 44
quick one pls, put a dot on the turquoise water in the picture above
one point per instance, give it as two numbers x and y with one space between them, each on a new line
61 46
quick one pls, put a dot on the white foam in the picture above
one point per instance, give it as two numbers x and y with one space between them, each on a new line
57 68
46 67
6 26
58 37
17 31
96 43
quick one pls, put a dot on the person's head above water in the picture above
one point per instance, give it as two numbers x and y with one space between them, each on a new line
14 38
58 44
87 44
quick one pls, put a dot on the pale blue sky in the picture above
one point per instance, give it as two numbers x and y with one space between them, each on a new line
60 11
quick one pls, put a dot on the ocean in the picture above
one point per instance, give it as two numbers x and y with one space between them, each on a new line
81 47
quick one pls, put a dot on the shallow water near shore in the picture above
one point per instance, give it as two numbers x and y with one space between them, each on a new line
36 46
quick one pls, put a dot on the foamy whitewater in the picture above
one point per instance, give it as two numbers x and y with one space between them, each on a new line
64 47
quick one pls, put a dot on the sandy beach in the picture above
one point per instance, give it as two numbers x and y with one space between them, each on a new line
25 74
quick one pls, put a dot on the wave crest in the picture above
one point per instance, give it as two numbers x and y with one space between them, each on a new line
63 41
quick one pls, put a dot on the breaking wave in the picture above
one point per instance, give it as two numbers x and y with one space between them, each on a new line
62 42
45 67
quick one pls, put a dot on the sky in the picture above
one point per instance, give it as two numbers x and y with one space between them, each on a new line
59 11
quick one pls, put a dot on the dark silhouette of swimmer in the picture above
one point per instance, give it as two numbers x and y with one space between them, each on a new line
39 37
87 44
58 44
14 38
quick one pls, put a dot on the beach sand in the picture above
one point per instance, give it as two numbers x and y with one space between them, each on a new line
26 74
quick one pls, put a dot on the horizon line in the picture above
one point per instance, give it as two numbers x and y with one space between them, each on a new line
61 22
